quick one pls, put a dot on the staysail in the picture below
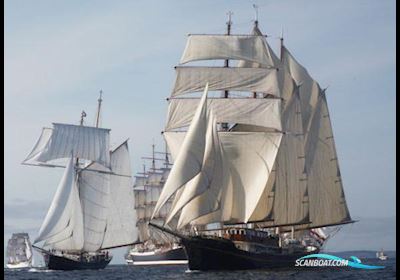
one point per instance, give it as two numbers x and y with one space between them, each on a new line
63 226
327 204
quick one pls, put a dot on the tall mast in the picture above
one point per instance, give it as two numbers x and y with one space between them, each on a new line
98 108
281 46
228 32
255 26
83 115
153 160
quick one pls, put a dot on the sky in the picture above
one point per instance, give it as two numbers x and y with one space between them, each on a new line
60 54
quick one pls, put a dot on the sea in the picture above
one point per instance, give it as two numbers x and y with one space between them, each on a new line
181 272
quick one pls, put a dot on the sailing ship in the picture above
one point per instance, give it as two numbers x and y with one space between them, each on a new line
256 174
381 255
19 251
92 210
153 248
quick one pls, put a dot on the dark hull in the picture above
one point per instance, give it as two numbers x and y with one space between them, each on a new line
221 254
172 256
62 263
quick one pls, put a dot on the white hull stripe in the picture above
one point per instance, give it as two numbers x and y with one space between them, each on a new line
158 262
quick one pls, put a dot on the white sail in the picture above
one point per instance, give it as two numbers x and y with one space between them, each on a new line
260 112
309 88
84 142
193 79
63 225
327 200
291 203
187 164
251 155
207 180
120 227
40 145
274 59
94 190
140 197
246 47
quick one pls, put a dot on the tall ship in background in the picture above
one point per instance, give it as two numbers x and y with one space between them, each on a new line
92 208
256 178
154 247
19 251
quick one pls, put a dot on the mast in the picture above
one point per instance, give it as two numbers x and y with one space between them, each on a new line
224 126
98 108
255 26
83 115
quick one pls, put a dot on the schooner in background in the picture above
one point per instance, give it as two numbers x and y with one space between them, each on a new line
19 251
256 175
154 247
92 208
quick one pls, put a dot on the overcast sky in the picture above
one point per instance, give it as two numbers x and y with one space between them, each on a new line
59 54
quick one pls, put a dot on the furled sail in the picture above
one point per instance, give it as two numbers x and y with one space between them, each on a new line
63 225
193 79
233 110
90 143
238 47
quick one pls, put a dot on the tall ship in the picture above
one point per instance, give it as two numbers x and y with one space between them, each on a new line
92 208
256 177
19 251
154 247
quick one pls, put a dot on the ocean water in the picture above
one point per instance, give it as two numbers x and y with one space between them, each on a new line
180 272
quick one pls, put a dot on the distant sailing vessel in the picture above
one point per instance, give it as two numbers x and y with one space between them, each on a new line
92 209
19 251
153 248
256 174
381 255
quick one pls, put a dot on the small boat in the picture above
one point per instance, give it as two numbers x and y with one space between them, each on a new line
19 251
381 255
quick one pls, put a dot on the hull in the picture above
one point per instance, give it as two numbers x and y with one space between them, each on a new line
222 254
55 262
167 257
19 265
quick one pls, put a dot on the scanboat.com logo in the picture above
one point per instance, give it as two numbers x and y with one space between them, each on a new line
319 260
